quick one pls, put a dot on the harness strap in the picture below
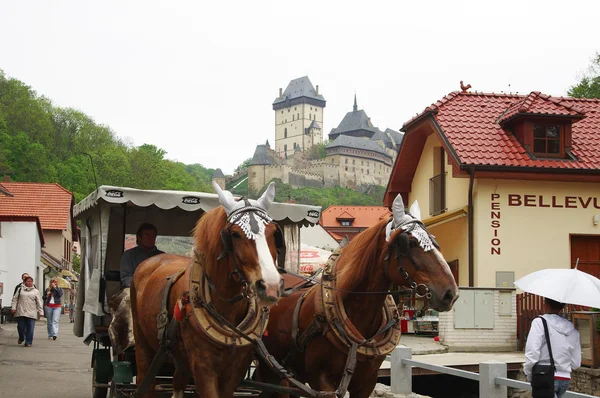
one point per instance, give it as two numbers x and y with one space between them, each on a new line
162 319
348 371
159 359
307 282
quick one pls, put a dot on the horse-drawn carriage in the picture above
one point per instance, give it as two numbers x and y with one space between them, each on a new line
223 308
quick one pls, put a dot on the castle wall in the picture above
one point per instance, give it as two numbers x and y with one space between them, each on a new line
300 178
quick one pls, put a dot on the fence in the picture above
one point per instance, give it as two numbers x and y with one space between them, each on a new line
492 376
529 306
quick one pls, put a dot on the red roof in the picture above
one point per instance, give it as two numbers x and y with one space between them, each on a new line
364 216
470 123
51 203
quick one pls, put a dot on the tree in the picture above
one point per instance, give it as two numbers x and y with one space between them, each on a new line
589 86
317 151
244 165
76 263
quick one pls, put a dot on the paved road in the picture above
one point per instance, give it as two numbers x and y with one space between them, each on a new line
48 368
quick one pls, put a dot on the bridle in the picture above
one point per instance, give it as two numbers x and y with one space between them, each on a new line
402 245
252 220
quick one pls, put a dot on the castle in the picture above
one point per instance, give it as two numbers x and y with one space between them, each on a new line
358 154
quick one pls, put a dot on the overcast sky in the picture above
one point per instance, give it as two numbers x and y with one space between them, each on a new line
198 78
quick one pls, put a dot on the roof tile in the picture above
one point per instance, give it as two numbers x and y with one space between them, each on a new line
51 203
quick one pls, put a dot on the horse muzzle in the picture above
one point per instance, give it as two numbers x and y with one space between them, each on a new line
268 294
445 300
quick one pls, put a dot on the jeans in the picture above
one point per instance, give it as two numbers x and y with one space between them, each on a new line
25 328
52 315
560 387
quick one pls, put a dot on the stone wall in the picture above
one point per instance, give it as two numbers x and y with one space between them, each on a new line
583 380
302 179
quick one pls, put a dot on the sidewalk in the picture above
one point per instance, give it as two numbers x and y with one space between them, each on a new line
58 367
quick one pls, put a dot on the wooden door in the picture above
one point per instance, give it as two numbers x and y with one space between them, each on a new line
586 248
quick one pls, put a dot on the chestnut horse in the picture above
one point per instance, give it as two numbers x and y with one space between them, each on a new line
235 250
333 317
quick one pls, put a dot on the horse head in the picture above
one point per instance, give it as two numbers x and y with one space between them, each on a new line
417 260
252 240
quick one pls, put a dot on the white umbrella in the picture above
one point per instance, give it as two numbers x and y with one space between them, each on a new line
569 286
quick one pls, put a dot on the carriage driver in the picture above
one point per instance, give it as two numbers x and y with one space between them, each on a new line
146 247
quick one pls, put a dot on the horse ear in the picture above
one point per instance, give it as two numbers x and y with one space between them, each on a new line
225 198
267 197
398 209
415 210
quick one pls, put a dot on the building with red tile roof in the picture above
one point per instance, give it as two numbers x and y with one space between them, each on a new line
507 183
342 221
52 205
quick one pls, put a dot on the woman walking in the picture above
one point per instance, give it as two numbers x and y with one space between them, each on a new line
26 307
52 307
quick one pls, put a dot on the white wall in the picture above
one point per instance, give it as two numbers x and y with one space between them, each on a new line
20 249
317 236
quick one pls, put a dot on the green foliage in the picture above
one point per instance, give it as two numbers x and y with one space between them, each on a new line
76 263
317 152
43 143
325 197
244 165
589 86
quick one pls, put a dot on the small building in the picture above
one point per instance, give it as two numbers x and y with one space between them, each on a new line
52 206
341 221
219 178
508 184
21 242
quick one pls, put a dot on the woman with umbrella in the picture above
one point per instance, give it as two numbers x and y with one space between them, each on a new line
557 286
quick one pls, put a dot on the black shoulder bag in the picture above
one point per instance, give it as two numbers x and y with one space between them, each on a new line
542 377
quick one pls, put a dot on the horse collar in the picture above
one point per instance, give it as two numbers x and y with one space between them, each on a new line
253 324
342 333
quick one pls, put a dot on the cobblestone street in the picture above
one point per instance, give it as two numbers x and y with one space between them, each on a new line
58 368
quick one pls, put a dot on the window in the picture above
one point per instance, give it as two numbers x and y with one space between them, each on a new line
367 171
285 149
362 163
294 108
282 112
289 110
346 168
346 161
293 117
346 223
353 161
547 139
311 108
298 115
285 132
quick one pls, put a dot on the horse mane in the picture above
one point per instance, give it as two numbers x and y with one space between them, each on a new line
207 233
355 263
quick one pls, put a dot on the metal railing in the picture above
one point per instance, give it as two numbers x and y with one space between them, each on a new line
492 376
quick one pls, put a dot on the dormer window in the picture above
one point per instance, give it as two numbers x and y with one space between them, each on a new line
547 140
346 223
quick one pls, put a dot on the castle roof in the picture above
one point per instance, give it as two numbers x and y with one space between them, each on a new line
261 155
395 136
356 143
297 89
314 125
383 137
353 121
218 174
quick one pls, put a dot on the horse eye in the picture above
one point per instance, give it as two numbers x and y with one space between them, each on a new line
235 235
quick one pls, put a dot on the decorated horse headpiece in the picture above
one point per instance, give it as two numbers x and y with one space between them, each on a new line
411 223
251 216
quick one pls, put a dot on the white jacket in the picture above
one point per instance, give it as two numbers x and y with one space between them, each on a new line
564 339
27 302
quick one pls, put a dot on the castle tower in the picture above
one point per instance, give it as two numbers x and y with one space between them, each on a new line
219 178
298 117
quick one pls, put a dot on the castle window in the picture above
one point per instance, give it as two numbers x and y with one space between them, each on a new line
362 163
298 115
294 108
289 110
367 171
346 168
293 117
285 132
353 161
282 112
254 174
285 149
346 161
332 161
354 169
311 108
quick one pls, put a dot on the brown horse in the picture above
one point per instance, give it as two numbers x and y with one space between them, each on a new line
232 274
333 317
